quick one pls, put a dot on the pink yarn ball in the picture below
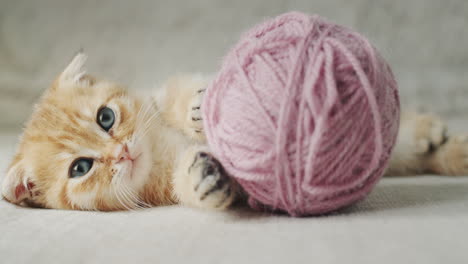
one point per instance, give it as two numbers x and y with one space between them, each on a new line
304 114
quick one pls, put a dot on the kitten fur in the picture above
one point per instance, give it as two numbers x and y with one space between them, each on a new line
155 153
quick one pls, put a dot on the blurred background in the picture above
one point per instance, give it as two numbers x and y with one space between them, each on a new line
139 43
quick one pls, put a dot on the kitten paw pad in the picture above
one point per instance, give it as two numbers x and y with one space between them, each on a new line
429 133
452 158
212 186
194 118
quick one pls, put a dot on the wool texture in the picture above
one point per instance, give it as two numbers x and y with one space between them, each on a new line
304 114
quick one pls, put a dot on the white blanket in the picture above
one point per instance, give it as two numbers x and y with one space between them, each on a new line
404 220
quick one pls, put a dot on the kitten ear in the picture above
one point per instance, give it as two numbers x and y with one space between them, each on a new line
17 185
75 72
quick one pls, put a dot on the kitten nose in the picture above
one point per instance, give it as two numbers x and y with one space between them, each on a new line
124 154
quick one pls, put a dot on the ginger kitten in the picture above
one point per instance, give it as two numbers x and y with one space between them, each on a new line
91 145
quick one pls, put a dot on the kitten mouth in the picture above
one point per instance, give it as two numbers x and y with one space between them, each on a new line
137 156
133 162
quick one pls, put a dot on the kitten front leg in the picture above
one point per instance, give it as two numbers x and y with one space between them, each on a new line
200 180
179 101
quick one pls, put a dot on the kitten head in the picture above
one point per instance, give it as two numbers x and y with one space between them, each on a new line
85 146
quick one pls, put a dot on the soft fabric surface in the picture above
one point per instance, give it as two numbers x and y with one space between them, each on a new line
404 220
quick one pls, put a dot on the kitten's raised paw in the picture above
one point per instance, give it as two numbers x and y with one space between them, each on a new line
452 157
194 117
428 132
212 186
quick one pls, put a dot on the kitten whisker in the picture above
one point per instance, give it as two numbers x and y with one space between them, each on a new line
126 196
146 106
140 204
118 193
140 120
124 200
142 106
145 127
148 120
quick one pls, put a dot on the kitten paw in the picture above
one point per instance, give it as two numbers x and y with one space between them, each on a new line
452 157
429 133
194 117
211 185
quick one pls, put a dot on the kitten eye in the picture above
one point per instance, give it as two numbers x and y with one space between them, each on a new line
105 118
80 167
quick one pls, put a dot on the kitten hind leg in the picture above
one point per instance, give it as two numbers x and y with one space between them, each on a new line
451 158
423 146
200 180
419 137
